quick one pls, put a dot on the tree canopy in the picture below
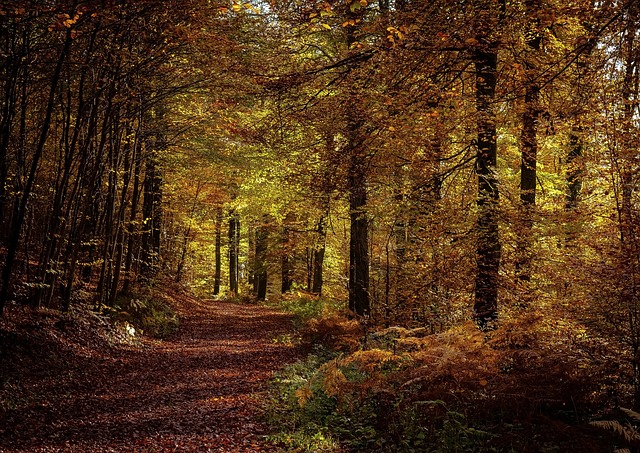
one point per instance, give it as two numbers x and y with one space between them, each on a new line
421 163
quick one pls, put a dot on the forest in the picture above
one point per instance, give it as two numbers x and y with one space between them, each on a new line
389 225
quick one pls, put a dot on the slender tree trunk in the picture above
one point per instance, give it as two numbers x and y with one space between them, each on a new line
359 221
218 255
132 229
129 156
529 147
318 256
262 236
287 250
575 168
152 217
359 239
111 228
234 245
14 238
10 96
488 248
183 254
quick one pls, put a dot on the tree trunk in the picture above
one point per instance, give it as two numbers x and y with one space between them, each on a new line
262 236
234 245
152 217
218 256
318 257
529 147
287 250
132 229
359 239
488 248
359 221
575 168
14 237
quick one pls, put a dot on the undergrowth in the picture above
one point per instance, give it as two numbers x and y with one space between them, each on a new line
524 387
146 313
305 307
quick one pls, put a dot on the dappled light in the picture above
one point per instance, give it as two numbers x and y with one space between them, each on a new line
320 226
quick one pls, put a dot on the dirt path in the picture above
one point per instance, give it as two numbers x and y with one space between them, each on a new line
195 392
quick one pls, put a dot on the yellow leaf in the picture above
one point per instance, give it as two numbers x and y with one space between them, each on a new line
236 7
327 26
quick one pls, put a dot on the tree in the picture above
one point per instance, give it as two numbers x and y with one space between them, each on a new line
488 250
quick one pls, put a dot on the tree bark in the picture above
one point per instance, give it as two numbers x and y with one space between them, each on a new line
359 239
262 236
488 248
529 147
318 257
287 250
152 216
14 237
234 245
218 256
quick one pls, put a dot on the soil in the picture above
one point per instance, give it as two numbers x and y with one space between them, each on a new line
201 390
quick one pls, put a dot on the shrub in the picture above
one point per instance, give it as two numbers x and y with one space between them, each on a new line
145 313
305 307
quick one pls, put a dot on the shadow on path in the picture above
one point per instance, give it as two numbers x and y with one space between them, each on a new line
198 391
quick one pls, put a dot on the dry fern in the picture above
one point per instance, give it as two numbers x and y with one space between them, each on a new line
631 414
629 432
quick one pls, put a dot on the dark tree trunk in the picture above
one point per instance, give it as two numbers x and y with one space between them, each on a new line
287 250
262 235
132 229
10 76
318 257
234 245
359 221
488 249
529 146
575 168
118 253
359 240
152 218
16 228
218 255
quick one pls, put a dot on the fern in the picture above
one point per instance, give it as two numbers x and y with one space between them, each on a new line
629 432
631 414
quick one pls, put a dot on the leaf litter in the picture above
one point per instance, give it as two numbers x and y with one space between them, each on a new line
198 391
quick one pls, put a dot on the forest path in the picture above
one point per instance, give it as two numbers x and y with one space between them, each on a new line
198 391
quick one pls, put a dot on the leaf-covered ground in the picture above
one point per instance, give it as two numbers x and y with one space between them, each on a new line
197 391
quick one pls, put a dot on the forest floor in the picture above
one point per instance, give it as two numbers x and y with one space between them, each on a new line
199 390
